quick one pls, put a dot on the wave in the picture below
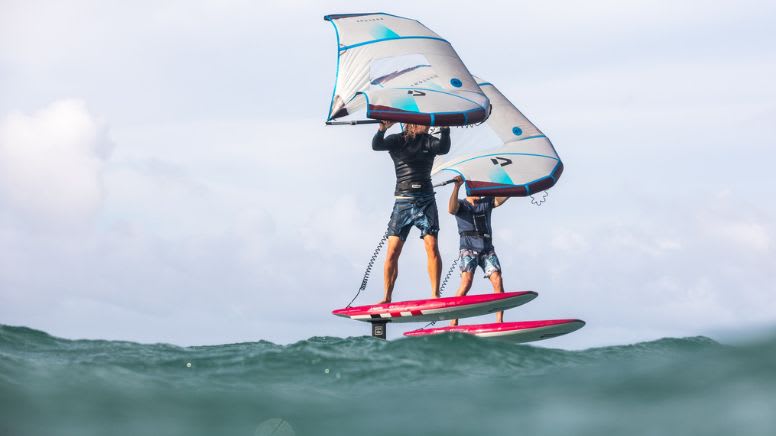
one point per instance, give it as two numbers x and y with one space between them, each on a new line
446 384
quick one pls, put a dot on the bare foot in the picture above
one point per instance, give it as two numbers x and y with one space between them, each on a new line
453 323
384 301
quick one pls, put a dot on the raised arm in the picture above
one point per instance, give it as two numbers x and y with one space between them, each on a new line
498 201
379 143
442 145
452 205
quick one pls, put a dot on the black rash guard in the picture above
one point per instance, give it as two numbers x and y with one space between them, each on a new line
413 159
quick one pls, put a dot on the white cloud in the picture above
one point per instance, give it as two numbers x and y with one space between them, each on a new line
569 241
748 235
51 163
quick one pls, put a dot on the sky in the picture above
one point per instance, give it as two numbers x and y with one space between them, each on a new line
166 174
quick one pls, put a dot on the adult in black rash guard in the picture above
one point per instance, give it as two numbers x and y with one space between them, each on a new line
413 153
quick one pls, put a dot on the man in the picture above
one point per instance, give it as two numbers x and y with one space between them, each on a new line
473 217
413 153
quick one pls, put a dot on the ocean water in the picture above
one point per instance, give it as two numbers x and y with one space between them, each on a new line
441 385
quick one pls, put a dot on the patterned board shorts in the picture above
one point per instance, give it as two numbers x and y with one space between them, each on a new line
487 260
420 212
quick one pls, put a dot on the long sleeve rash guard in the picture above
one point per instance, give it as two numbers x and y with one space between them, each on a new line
412 159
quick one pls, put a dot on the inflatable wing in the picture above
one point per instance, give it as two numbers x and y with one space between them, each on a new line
505 156
396 69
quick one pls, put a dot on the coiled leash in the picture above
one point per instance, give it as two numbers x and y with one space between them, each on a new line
368 271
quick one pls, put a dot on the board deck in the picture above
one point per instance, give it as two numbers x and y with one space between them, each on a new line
437 309
518 332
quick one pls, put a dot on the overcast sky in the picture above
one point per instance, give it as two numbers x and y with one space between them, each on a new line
166 175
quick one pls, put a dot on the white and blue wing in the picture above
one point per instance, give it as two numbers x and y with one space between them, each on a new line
397 69
505 156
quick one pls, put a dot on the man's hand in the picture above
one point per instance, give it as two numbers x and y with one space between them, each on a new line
458 180
385 125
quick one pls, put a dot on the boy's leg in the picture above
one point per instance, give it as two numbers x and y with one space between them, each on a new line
492 267
498 287
466 284
467 261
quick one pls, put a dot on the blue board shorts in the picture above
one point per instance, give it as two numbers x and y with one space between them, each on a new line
420 212
487 260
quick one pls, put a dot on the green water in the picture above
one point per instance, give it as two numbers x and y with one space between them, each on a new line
441 385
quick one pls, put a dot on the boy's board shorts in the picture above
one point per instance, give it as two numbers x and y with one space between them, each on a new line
420 212
487 260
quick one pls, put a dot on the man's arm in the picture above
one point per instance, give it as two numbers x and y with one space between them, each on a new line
379 143
452 205
498 201
442 145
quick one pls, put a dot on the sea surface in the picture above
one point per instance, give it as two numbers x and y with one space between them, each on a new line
442 385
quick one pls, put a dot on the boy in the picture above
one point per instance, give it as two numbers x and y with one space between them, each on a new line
473 217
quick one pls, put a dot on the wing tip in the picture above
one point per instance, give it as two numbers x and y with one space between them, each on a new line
332 17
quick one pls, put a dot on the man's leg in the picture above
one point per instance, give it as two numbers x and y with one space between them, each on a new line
466 284
434 263
391 269
498 287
